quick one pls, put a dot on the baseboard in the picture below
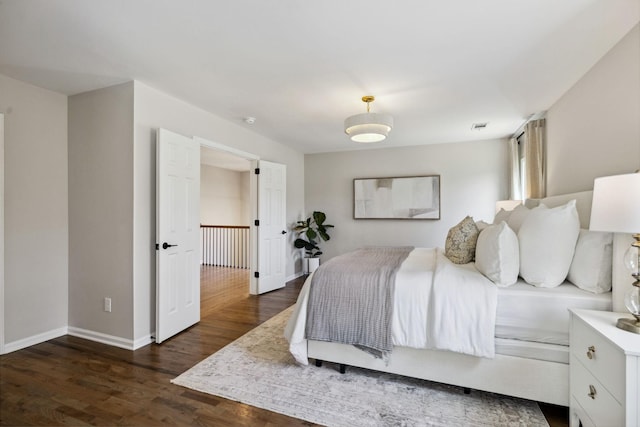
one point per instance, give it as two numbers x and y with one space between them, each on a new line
120 342
295 276
141 342
80 333
34 339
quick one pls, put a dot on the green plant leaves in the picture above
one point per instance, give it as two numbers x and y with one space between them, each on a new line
312 228
319 217
311 234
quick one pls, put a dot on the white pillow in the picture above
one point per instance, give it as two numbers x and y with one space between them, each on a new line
482 225
502 215
547 240
591 266
498 255
517 217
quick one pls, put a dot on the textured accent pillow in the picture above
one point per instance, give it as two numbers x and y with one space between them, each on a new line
517 217
591 266
547 240
460 246
498 254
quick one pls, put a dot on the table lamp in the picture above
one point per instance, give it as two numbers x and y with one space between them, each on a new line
616 208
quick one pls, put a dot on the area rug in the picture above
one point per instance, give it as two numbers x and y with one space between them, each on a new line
258 370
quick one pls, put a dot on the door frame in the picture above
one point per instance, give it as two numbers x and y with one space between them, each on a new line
253 202
2 270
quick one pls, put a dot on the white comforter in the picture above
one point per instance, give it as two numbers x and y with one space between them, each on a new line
437 305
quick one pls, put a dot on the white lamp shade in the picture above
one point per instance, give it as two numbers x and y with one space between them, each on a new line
368 127
616 204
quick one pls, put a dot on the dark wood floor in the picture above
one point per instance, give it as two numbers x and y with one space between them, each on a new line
221 287
71 381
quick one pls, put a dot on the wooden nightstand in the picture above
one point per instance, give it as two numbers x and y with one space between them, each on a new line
604 371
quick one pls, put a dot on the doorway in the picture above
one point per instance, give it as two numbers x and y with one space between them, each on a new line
225 216
265 243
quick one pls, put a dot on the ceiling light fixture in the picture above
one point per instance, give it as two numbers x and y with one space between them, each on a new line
368 127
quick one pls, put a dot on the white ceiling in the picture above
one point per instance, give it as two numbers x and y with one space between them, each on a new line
300 67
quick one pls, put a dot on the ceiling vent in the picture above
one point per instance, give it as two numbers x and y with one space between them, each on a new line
479 126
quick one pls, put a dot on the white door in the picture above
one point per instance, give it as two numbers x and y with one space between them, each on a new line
272 228
177 234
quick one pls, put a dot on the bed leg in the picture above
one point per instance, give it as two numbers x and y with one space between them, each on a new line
467 390
318 363
343 368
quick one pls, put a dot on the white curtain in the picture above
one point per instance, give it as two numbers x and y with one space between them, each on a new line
515 184
534 158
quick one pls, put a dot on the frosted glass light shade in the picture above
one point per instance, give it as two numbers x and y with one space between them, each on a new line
368 127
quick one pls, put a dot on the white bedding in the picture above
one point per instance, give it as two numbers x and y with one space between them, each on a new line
530 322
435 306
533 350
528 313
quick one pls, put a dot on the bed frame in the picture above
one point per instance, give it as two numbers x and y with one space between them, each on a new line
537 380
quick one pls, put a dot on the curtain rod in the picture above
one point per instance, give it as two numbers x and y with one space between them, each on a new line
536 116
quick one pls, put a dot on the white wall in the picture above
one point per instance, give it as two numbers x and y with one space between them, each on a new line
36 216
154 109
594 129
224 196
473 176
101 211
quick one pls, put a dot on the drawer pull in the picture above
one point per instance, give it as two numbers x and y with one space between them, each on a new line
592 392
591 352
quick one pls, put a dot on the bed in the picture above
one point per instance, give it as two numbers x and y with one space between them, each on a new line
526 357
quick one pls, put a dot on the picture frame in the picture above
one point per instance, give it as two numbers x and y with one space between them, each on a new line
409 197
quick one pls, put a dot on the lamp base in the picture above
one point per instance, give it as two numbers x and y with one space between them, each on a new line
630 325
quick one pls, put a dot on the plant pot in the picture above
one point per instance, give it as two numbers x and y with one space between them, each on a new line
311 264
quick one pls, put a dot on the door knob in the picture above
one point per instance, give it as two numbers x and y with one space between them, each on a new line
165 245
284 232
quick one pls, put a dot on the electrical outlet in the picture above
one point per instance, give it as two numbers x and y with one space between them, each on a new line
107 304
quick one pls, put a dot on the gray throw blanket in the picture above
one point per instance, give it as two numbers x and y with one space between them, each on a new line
351 299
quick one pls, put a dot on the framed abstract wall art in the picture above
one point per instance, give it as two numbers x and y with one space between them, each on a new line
411 197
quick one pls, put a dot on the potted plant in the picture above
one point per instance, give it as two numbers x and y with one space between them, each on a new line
310 232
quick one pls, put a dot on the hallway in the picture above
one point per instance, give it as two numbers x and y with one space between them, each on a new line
221 286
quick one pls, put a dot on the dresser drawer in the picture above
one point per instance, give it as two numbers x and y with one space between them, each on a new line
605 361
601 408
578 416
